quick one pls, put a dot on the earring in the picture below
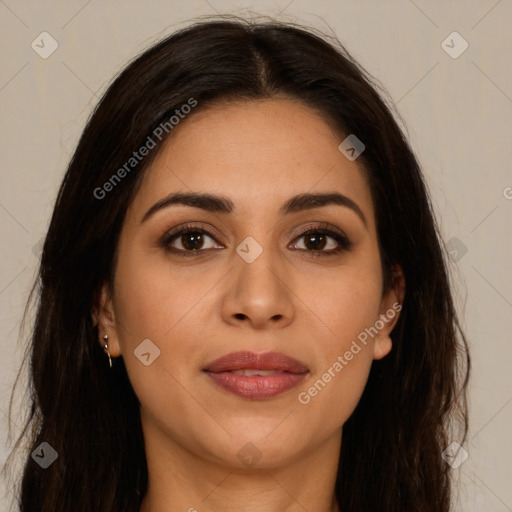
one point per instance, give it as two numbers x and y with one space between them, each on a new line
105 339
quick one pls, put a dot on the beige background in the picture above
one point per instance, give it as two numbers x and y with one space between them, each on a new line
458 114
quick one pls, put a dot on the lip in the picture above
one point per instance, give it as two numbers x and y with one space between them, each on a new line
288 374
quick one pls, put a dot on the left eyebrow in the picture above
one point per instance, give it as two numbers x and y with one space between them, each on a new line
310 201
220 204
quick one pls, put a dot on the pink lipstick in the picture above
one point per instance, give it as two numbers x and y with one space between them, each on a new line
256 376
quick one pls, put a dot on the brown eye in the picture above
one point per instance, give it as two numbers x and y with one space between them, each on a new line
192 240
316 241
189 239
323 241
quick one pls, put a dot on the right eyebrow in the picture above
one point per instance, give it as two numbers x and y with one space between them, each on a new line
208 202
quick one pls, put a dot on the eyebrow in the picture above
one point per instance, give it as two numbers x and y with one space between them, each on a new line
220 204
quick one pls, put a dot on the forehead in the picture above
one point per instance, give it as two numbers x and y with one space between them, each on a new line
259 153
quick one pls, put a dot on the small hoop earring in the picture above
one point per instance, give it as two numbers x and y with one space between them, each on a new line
105 339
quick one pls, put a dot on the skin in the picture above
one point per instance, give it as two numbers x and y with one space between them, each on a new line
198 308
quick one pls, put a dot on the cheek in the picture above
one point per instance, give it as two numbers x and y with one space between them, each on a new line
344 360
344 303
153 296
162 303
347 307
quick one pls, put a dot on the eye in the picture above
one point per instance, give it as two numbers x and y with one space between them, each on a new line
189 239
192 240
323 241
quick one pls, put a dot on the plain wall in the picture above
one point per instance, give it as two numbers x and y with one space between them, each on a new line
458 113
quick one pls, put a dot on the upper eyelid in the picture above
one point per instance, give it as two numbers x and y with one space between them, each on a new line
331 231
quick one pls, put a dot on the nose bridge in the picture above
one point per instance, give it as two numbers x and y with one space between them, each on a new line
259 266
258 292
259 244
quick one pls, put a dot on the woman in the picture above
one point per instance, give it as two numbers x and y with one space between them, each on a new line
243 299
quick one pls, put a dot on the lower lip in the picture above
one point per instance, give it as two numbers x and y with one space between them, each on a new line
257 387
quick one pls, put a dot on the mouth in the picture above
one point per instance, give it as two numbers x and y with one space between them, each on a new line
256 376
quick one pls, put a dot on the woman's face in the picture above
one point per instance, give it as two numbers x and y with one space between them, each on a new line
254 284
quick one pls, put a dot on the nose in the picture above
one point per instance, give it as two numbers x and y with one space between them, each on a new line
259 294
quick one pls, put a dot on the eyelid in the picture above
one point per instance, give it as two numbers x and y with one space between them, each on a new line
343 241
185 228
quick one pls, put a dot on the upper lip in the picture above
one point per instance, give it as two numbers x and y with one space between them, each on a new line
250 360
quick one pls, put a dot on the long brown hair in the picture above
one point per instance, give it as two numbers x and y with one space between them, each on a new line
391 456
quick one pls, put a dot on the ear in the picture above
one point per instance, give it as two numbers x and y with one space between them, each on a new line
390 307
103 316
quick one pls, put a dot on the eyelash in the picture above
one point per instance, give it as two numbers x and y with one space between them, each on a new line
344 244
